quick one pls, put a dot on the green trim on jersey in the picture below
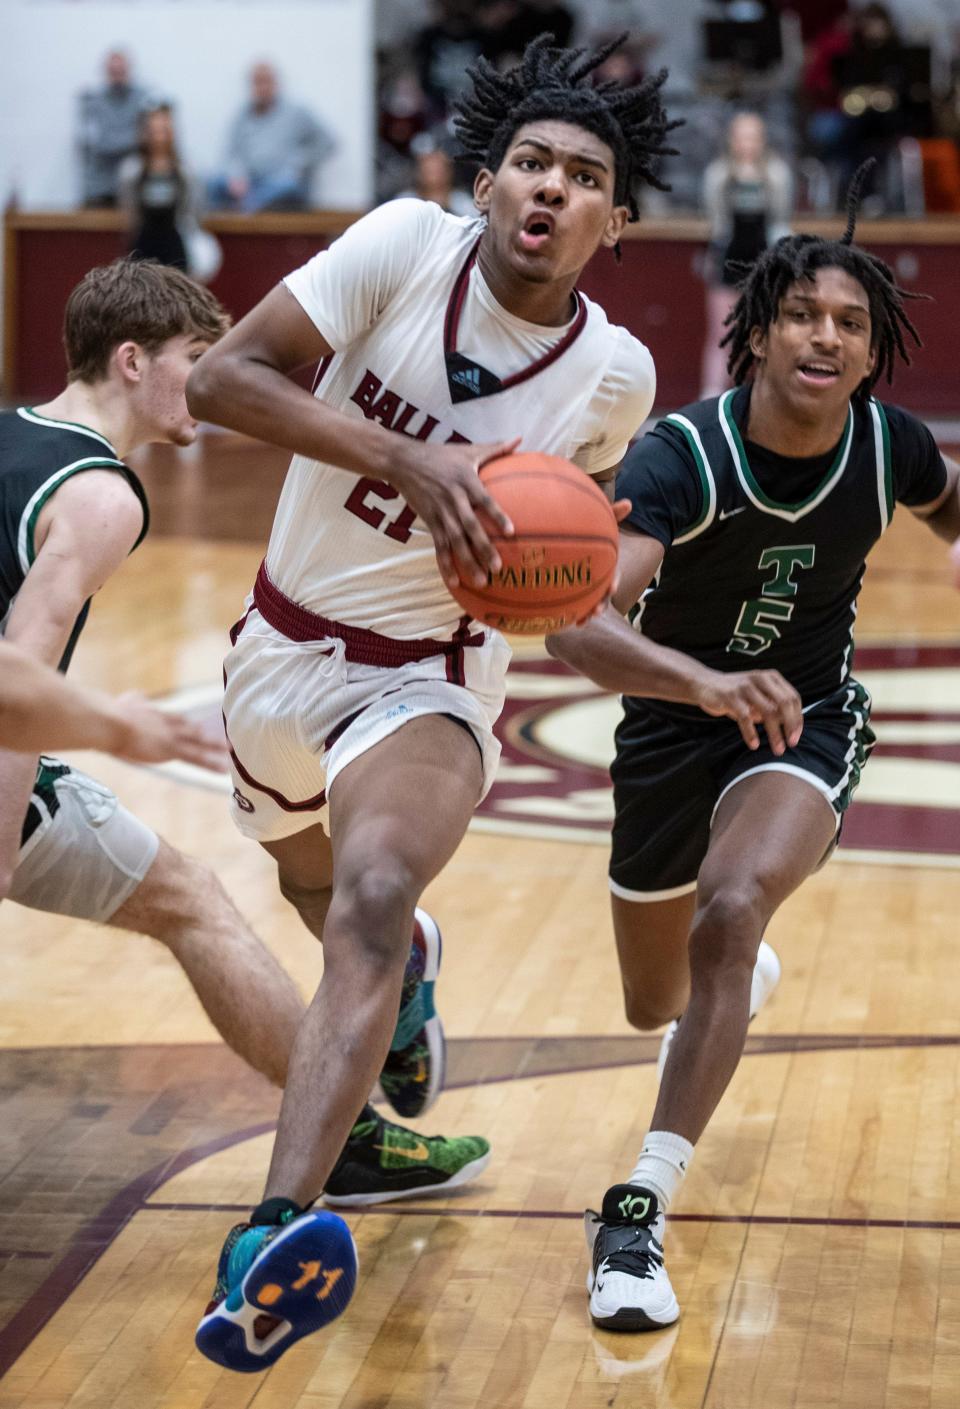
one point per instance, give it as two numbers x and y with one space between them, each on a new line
26 548
29 414
752 489
708 485
881 440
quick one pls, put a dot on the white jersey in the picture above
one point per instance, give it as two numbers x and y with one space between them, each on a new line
393 296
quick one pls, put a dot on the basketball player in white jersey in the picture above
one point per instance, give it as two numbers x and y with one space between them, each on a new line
360 702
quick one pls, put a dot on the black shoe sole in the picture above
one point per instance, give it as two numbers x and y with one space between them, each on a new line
630 1320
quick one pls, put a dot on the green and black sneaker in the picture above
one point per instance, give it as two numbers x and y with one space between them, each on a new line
383 1161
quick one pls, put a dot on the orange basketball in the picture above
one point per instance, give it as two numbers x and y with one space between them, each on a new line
560 562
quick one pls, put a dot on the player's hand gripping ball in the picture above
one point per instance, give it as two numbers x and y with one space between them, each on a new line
561 562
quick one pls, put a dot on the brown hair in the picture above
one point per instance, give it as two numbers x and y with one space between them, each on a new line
137 301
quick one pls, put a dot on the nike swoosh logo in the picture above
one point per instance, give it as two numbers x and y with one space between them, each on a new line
419 1151
729 513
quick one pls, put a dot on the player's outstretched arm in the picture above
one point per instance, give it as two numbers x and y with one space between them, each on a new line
943 516
41 710
243 382
619 659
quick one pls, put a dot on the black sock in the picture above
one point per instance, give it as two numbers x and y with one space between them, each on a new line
275 1213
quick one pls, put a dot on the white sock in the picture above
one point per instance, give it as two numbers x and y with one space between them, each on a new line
662 1164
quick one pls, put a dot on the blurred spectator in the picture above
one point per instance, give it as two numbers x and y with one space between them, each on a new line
873 66
109 118
748 196
860 76
161 200
461 30
826 47
156 192
403 107
815 16
403 114
434 178
273 150
444 49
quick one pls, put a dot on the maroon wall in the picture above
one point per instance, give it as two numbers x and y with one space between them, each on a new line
50 263
656 292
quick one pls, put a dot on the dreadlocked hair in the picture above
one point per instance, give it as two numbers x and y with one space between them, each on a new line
798 257
550 82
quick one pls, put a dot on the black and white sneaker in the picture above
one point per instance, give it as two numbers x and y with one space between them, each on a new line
628 1283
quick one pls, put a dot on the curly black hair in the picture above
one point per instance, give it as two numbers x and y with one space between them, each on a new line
798 257
550 82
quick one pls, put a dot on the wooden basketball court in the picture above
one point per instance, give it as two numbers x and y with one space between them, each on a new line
815 1248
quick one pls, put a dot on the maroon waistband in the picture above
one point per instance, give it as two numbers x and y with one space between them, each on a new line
362 647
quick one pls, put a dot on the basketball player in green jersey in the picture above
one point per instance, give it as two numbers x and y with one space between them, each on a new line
744 731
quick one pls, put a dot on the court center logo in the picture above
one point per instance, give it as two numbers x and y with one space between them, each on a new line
557 736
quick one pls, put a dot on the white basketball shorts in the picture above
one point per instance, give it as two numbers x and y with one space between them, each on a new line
82 853
298 711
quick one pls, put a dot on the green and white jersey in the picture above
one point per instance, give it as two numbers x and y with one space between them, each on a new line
765 553
37 456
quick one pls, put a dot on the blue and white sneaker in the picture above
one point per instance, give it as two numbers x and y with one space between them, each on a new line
412 1076
276 1284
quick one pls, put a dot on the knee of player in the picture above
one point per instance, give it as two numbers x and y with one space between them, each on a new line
373 908
177 891
647 1009
307 900
177 898
727 928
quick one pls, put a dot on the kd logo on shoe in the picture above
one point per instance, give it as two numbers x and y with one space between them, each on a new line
629 1207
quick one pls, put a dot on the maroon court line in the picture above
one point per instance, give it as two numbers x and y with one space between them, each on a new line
777 1220
802 1042
773 1046
95 1237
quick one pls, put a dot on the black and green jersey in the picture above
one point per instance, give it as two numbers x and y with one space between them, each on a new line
37 455
765 552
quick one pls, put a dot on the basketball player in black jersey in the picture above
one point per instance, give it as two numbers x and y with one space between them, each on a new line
744 731
71 511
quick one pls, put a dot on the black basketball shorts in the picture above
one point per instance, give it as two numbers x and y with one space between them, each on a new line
673 766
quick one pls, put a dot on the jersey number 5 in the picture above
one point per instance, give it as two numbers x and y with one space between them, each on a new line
397 528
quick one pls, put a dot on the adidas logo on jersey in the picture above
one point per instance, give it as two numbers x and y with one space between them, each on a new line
468 377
